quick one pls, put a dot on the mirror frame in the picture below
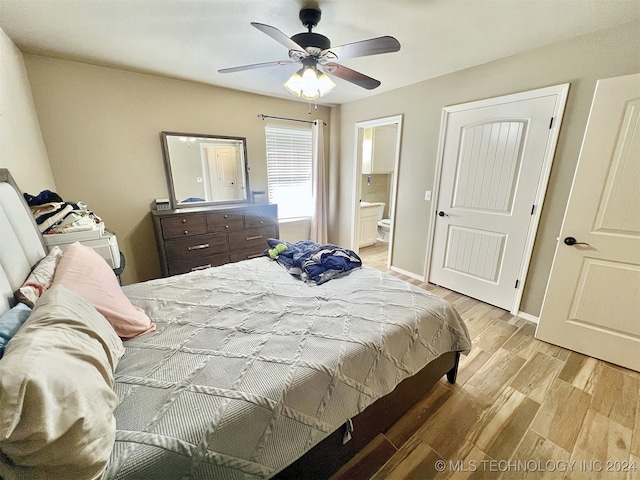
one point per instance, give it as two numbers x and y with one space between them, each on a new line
169 171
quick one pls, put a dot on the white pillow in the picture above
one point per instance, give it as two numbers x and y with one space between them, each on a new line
39 279
56 397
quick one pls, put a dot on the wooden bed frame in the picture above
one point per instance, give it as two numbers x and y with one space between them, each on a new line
326 458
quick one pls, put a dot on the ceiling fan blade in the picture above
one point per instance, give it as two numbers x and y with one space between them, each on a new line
352 76
278 36
373 46
255 65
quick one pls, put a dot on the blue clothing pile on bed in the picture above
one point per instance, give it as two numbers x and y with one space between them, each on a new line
314 263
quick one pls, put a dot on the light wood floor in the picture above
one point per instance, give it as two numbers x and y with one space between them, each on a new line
521 408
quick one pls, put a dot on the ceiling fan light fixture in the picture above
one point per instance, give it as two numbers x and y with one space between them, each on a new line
312 49
307 84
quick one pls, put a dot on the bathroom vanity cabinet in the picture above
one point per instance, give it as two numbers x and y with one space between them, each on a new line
381 156
368 228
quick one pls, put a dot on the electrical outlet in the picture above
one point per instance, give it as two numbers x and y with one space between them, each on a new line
427 195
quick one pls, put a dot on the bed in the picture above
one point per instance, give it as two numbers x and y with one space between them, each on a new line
242 371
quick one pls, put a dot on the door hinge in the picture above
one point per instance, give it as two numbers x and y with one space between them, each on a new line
533 209
517 283
551 123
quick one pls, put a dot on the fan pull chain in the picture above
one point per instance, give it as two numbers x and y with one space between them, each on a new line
315 105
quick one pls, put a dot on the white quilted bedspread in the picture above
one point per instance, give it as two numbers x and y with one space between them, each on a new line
250 367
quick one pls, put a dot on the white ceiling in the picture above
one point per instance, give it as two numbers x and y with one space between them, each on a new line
192 39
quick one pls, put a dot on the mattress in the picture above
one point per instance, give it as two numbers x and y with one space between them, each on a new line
250 367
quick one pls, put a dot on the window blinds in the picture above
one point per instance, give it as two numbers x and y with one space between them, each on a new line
290 170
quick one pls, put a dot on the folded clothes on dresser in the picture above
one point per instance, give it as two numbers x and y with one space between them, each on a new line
53 215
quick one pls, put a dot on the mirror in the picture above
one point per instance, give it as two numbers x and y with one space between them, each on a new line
205 169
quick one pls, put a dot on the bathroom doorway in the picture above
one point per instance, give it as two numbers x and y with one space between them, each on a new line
377 153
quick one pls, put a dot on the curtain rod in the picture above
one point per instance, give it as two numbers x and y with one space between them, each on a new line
262 117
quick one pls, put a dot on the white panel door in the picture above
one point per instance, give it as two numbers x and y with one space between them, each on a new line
493 159
227 173
592 304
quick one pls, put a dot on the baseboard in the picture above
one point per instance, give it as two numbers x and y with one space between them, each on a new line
529 317
523 315
407 273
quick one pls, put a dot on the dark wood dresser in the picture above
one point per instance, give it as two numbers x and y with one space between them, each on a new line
196 238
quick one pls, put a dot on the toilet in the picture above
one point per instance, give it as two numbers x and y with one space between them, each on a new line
384 225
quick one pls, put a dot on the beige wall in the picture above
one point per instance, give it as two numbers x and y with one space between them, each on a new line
294 230
22 150
581 61
101 129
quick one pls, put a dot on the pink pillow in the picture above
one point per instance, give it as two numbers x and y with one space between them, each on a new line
86 273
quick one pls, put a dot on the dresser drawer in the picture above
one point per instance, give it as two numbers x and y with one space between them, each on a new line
191 265
239 255
196 246
183 226
255 239
261 216
224 222
199 237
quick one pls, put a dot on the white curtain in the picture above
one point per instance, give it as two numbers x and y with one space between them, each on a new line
319 219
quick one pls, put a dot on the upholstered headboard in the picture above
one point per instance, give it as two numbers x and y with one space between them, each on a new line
21 244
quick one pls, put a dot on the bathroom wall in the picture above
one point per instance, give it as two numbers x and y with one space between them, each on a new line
378 190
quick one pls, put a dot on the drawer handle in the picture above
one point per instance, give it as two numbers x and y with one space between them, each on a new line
227 227
184 220
256 255
261 222
198 247
201 267
226 216
256 237
186 232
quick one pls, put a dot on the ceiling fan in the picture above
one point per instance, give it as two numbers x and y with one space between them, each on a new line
319 58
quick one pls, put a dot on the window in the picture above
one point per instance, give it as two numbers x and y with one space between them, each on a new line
290 170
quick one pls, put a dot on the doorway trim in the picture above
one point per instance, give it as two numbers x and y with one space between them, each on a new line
561 92
357 174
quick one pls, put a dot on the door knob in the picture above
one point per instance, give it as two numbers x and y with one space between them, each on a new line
442 214
572 241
